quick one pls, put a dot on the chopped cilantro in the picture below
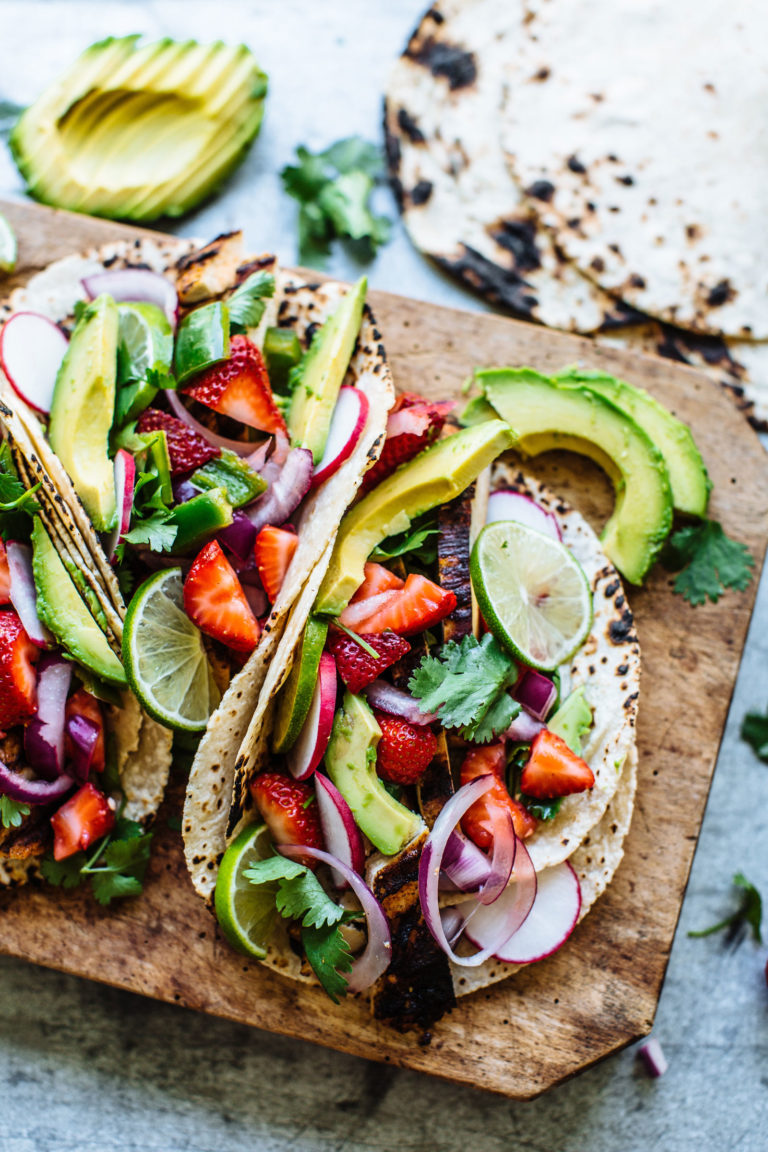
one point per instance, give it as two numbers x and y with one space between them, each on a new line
116 869
330 956
466 685
246 304
754 729
155 532
65 873
542 809
749 914
17 503
418 540
707 562
12 812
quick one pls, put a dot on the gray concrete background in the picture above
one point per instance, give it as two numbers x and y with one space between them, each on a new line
84 1067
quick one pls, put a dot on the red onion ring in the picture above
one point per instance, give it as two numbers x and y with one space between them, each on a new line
84 734
44 735
135 285
395 702
23 593
374 960
285 493
239 446
465 866
16 786
523 728
536 693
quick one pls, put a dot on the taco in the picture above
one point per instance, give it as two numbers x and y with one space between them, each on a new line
451 757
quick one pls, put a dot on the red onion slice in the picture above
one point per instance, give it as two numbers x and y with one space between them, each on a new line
536 693
44 735
493 925
340 832
239 446
375 957
653 1057
84 734
239 536
523 729
395 702
24 593
465 866
285 493
135 285
16 786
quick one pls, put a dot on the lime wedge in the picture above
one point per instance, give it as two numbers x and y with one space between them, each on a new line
532 592
7 246
145 340
295 696
245 911
164 657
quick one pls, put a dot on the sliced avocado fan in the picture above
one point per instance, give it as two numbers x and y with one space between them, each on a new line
136 132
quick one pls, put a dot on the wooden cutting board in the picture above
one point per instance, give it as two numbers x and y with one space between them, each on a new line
600 991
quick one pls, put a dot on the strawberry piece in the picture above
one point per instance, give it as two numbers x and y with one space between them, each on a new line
5 577
18 679
187 449
413 424
289 809
479 821
404 751
419 604
83 819
553 770
273 551
357 667
214 600
239 388
82 703
377 579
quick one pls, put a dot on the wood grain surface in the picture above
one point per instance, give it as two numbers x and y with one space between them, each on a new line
600 991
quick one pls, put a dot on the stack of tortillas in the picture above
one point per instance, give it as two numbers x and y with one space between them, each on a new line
598 168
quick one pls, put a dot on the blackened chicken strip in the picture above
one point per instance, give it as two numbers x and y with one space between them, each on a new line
453 546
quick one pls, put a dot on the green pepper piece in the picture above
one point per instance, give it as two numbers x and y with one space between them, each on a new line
282 351
230 472
202 340
199 518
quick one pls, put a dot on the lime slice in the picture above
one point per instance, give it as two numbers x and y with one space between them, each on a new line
7 246
164 657
297 692
245 911
532 592
145 340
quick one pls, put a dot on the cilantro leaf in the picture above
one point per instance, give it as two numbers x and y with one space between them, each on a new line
64 873
119 869
542 809
246 304
155 532
109 886
749 914
330 957
17 503
418 540
754 730
466 685
707 562
12 812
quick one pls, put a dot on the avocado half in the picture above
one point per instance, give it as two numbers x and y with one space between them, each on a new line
136 132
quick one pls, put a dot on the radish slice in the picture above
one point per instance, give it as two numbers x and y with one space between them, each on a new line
125 481
239 446
309 749
24 593
31 350
44 735
508 505
549 923
340 833
395 702
135 285
347 423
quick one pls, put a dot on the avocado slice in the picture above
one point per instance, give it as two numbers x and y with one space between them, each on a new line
63 610
548 414
688 477
136 131
572 720
351 763
437 475
316 380
83 408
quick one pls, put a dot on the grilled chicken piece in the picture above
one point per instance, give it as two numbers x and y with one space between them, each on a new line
207 272
453 546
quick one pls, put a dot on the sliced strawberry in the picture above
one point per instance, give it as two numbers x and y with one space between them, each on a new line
357 667
82 703
273 551
187 449
479 821
419 604
413 424
553 770
404 751
18 679
214 600
5 577
239 388
377 579
83 819
289 809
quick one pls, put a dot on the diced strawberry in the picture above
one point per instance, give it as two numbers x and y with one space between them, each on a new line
413 424
214 600
83 819
404 751
18 679
553 770
479 821
82 703
289 809
187 449
239 388
357 667
377 579
273 551
419 604
5 577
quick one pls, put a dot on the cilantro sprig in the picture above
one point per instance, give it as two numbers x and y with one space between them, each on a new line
748 915
115 870
418 541
12 812
707 562
17 503
246 304
754 730
466 685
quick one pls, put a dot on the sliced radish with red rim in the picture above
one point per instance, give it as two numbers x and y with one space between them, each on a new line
552 918
31 350
309 749
506 504
135 286
347 423
125 481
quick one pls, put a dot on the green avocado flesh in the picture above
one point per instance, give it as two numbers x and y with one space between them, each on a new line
351 763
83 409
316 380
547 414
688 477
137 132
437 475
65 613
